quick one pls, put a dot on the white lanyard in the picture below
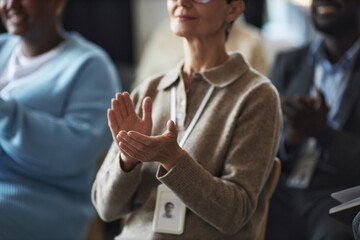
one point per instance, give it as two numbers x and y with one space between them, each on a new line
197 114
164 194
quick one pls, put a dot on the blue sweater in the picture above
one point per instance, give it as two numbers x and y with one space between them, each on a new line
356 226
53 129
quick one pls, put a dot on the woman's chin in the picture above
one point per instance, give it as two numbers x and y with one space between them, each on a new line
179 31
183 34
179 34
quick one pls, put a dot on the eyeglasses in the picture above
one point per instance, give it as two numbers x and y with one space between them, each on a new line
197 1
202 1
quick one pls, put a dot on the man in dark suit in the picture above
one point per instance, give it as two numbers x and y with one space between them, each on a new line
320 146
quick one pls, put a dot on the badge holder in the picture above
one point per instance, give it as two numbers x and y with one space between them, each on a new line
302 173
170 212
169 216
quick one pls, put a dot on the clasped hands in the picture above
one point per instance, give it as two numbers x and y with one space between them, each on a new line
307 117
133 135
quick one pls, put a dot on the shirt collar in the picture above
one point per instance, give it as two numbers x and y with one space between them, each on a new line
315 49
219 76
317 53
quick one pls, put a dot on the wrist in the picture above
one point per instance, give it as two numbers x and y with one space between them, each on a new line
172 161
127 164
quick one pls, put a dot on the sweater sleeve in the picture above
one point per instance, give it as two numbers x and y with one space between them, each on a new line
41 142
113 189
246 167
356 226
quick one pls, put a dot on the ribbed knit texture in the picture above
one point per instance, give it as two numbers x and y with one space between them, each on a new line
356 226
227 160
53 129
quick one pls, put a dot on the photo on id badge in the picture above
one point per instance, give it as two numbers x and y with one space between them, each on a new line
169 212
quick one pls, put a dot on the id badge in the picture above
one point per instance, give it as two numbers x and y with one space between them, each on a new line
302 173
169 216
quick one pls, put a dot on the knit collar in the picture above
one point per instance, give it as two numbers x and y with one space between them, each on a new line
219 76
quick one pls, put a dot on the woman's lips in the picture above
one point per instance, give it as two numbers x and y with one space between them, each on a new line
184 18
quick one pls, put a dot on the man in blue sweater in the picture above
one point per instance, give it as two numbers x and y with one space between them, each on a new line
55 88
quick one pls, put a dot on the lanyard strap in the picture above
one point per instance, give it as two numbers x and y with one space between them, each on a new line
197 114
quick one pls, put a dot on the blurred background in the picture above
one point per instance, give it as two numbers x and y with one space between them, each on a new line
123 27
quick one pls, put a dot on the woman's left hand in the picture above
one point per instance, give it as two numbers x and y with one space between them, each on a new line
164 148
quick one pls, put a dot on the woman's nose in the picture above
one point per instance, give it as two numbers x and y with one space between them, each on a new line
184 2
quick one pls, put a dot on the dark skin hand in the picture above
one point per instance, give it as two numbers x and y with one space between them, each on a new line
307 117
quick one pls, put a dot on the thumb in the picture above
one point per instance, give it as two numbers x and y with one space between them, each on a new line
321 99
147 109
320 96
171 129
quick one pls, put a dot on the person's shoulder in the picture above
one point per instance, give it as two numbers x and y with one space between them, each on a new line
294 54
79 52
6 38
253 89
251 80
150 84
259 81
247 75
78 45
260 89
7 44
289 62
84 61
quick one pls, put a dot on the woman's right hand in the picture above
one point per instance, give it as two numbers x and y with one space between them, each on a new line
122 116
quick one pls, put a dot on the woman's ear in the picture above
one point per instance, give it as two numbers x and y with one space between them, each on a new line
235 9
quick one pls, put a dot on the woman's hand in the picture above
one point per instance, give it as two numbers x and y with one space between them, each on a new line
143 148
122 117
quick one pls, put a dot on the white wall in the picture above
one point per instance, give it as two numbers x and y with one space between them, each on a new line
147 14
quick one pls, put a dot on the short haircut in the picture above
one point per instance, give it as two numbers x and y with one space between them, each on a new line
169 204
227 32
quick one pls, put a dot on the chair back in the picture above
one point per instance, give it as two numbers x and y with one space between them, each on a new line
272 181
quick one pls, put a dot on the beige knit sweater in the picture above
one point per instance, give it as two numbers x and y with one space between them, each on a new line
228 158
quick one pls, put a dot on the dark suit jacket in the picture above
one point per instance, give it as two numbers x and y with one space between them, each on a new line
293 73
